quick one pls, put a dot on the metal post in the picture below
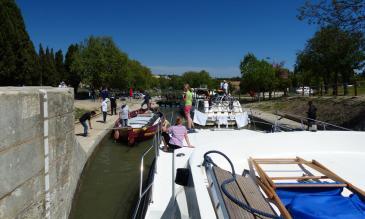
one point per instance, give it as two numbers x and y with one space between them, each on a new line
302 124
141 178
157 147
173 184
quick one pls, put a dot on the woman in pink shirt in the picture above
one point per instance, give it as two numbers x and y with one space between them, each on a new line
178 133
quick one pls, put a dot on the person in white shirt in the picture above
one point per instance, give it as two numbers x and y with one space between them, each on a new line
104 108
62 85
225 87
124 115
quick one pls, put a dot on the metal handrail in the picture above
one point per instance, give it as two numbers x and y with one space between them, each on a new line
143 192
302 118
273 126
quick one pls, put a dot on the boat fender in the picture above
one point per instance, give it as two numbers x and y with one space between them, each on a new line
182 176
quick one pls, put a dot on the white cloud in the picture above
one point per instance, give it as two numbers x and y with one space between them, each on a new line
227 71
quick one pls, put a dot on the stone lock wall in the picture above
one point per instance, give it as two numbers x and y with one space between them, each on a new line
39 154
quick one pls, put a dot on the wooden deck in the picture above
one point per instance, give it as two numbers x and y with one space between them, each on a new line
245 190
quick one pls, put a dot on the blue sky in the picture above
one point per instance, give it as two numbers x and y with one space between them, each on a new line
175 36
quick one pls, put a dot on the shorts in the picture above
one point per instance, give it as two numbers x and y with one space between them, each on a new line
187 111
166 136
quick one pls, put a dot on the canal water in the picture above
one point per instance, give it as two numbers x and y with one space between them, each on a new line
110 182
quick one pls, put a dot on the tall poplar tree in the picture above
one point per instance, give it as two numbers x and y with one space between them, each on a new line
18 59
73 78
60 68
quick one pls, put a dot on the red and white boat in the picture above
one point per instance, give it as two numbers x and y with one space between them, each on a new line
142 125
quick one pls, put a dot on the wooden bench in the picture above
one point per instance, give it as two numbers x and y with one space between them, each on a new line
245 190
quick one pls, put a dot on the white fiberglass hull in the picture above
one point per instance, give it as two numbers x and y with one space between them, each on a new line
343 152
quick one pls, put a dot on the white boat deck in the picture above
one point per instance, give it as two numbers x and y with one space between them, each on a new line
140 120
163 180
342 152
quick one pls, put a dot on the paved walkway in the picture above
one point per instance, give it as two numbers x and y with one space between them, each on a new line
100 129
272 118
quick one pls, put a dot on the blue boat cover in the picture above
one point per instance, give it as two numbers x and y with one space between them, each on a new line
321 203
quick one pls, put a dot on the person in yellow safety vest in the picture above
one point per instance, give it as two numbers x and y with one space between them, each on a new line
188 102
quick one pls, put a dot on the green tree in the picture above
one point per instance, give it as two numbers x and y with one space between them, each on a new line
72 78
257 75
332 56
282 81
49 74
98 61
140 76
176 82
60 65
18 59
343 14
197 79
164 83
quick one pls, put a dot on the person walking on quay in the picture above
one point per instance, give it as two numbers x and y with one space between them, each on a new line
93 94
104 94
113 105
130 94
83 118
124 115
311 114
188 102
104 108
146 101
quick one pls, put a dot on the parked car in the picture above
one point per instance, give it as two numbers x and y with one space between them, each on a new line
306 90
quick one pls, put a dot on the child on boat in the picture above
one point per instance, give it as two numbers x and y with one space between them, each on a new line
178 133
165 124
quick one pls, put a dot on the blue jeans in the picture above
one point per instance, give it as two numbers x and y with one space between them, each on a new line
84 124
124 122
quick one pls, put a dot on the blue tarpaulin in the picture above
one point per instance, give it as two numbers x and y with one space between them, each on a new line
321 203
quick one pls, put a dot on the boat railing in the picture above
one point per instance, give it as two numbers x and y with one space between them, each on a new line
225 106
144 190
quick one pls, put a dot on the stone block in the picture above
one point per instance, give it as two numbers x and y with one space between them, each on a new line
35 210
60 102
59 147
17 203
20 118
19 164
60 125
